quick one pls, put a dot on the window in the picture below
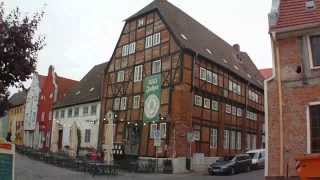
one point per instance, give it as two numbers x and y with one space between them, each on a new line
198 100
254 142
230 85
93 109
203 74
136 102
209 77
120 76
153 128
163 130
123 103
226 139
239 140
85 110
239 112
148 43
132 48
215 105
76 112
315 128
156 66
70 112
234 110
206 103
214 138
138 73
214 79
62 114
116 104
253 96
315 50
228 108
233 139
248 142
57 115
129 49
125 50
87 136
140 23
156 39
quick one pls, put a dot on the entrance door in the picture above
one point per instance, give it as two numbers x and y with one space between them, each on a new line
133 134
60 139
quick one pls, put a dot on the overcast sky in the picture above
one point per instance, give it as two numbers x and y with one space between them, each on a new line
83 33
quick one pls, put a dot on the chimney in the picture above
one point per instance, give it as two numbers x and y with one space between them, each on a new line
236 47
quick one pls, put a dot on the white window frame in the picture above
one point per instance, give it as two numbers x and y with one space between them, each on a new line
226 139
149 41
138 71
140 22
203 74
308 117
234 110
163 130
214 78
125 50
230 85
153 128
228 108
239 112
120 76
233 140
136 102
206 103
156 66
132 48
312 66
156 39
215 105
123 103
116 103
198 100
209 77
214 138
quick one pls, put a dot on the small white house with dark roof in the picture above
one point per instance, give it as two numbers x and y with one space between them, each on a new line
81 106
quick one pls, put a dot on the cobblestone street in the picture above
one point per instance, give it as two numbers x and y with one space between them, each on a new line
27 169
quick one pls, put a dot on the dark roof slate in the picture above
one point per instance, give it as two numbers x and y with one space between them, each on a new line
81 93
18 98
199 38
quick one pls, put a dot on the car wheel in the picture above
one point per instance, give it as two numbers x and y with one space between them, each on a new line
233 171
211 173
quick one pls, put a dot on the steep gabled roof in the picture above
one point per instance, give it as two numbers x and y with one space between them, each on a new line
42 79
199 38
293 13
64 85
87 90
266 73
18 98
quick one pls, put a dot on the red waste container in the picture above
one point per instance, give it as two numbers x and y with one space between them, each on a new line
308 166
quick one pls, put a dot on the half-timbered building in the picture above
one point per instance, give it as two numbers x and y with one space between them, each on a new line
210 101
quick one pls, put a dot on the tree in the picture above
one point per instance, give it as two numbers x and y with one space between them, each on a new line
18 47
4 103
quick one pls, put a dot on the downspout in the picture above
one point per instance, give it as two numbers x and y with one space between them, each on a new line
266 107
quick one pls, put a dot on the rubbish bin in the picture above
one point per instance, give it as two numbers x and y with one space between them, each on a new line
308 166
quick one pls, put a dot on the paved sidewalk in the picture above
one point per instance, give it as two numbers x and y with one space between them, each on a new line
27 169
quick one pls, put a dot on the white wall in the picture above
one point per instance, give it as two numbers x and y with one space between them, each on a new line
83 122
31 110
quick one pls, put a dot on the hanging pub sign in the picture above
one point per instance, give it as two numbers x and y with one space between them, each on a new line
6 160
152 94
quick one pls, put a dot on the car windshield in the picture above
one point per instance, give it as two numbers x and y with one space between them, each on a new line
254 155
235 158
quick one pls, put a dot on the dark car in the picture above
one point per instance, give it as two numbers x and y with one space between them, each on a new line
239 163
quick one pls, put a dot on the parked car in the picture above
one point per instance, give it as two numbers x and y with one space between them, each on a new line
239 163
257 158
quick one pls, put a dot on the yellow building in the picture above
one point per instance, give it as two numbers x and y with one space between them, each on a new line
16 116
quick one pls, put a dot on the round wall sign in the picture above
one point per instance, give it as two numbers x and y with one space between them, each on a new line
152 106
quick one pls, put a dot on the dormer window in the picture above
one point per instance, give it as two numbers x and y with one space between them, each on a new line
236 67
78 92
91 89
314 49
184 36
209 51
225 61
310 4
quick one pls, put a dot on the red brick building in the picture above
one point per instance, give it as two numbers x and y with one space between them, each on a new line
54 88
208 87
293 92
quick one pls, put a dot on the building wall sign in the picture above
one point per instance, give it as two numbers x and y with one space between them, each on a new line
152 93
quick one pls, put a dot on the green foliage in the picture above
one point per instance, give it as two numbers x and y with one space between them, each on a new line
18 47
